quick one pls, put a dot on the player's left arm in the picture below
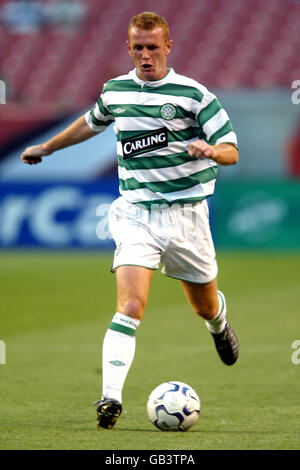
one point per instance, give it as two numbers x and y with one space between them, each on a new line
223 154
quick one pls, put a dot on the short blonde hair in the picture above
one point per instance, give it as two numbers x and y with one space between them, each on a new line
149 20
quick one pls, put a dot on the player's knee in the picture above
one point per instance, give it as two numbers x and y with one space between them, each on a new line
208 312
133 308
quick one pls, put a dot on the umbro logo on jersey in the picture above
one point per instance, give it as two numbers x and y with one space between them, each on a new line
119 110
146 142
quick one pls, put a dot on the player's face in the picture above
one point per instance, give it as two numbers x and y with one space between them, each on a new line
149 50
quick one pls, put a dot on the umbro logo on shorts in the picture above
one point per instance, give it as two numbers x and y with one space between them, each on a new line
146 142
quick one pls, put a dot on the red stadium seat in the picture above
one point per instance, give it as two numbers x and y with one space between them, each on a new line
228 45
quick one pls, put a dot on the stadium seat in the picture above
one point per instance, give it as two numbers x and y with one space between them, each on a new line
250 44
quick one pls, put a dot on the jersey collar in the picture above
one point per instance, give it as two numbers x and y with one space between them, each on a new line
152 83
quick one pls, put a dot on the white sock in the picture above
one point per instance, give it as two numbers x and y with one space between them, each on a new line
217 324
117 354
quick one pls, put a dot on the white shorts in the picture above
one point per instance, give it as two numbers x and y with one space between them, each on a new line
178 236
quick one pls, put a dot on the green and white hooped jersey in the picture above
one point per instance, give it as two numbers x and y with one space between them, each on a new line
154 123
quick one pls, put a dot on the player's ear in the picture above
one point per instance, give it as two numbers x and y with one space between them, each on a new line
169 44
129 48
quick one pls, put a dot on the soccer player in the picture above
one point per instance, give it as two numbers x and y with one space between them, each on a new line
172 133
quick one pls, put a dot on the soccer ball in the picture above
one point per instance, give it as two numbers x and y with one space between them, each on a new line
173 406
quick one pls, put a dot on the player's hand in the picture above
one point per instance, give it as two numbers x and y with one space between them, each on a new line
201 149
33 155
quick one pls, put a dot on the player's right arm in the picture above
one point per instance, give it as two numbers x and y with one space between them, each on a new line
78 131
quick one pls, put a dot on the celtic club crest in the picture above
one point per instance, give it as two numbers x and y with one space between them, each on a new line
168 111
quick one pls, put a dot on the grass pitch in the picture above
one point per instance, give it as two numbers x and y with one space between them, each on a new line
55 309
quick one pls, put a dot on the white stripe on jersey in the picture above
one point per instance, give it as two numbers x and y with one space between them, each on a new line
197 191
164 174
149 123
